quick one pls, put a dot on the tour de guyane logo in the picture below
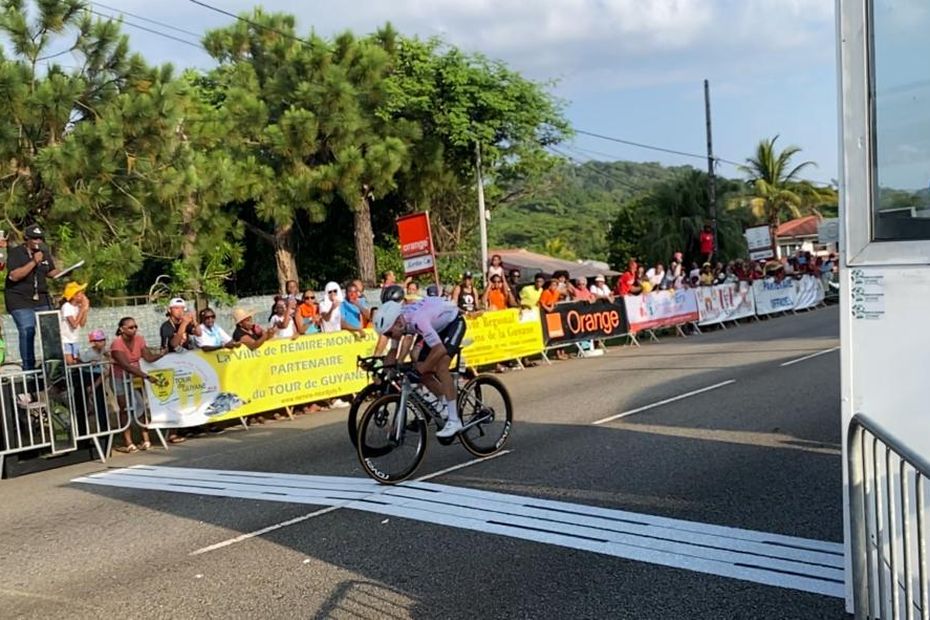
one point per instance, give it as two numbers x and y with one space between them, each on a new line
163 383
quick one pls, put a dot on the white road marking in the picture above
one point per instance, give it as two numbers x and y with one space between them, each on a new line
771 559
366 483
664 402
812 355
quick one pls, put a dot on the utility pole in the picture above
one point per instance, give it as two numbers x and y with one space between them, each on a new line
482 214
711 177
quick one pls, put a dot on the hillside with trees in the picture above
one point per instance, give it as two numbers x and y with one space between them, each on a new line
575 206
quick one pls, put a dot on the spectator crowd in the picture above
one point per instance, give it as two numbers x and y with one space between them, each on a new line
294 313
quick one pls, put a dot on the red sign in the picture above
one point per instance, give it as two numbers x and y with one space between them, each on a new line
416 243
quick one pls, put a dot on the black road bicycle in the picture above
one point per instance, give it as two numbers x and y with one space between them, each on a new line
392 432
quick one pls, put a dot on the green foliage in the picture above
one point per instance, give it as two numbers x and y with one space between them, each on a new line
669 219
577 204
777 190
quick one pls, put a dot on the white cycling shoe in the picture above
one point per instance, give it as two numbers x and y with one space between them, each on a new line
451 428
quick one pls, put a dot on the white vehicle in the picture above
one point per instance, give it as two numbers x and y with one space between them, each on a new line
885 297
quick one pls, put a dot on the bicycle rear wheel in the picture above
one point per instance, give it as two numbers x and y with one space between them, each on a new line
384 457
364 398
485 404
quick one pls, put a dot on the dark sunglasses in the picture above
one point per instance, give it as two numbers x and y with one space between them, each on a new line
309 298
208 316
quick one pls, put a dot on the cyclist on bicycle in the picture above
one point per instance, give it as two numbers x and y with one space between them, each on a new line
442 328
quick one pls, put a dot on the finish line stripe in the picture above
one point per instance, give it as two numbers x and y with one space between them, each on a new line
771 559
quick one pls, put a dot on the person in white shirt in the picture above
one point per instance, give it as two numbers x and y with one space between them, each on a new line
73 318
330 308
496 268
212 337
656 275
283 320
600 290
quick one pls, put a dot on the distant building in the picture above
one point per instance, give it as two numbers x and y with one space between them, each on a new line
531 263
799 234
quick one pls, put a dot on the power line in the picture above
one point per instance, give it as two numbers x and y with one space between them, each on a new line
653 147
250 22
150 30
146 19
595 170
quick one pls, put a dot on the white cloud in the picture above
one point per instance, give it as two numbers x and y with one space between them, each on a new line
588 44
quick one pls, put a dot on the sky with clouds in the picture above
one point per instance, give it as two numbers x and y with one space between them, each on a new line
632 69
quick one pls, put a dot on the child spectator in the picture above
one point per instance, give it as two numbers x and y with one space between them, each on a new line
73 318
496 268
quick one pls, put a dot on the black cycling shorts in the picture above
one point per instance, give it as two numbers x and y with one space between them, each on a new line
451 336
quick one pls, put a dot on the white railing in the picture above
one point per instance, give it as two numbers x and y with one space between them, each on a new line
888 498
53 408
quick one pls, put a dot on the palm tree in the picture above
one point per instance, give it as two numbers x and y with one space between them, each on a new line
777 188
675 212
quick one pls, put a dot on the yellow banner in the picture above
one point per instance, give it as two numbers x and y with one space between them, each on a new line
195 388
503 335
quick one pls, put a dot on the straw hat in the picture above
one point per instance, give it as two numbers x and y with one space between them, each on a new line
72 289
240 314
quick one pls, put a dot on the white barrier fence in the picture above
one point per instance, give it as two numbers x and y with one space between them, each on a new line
54 409
725 302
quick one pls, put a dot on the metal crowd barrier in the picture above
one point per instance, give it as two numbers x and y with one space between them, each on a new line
52 409
888 503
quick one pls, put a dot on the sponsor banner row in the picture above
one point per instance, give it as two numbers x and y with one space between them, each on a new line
789 294
725 302
580 321
196 387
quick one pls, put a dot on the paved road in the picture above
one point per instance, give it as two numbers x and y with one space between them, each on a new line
760 453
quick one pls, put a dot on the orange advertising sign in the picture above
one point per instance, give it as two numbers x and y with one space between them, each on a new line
416 243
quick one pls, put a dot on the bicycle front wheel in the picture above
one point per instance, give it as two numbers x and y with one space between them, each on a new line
487 414
364 398
391 442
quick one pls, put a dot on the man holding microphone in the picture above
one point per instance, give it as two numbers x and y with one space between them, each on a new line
28 267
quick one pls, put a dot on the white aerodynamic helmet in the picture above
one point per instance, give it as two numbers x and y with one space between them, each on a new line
387 315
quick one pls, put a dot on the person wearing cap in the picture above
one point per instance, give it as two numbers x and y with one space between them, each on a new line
28 267
73 317
98 347
247 332
600 290
92 376
177 330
